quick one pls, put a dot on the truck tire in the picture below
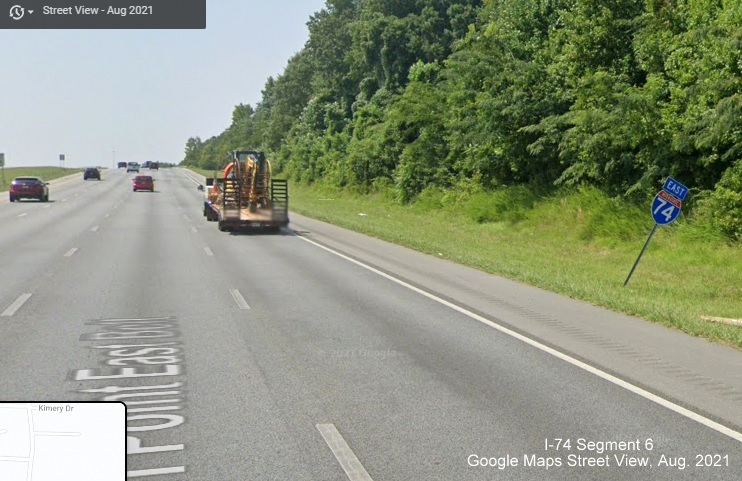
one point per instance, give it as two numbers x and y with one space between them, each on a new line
222 226
12 199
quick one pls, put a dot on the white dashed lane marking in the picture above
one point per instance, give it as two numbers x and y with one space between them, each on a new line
241 302
345 456
16 305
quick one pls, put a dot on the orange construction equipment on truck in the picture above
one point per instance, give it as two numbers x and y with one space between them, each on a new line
245 196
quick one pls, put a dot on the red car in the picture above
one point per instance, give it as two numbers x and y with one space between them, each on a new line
29 188
144 182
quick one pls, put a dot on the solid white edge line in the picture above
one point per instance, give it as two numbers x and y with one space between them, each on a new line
16 305
345 456
95 229
23 215
564 357
70 252
208 251
241 302
190 178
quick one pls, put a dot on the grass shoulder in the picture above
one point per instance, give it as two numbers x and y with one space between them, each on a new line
46 173
578 243
204 172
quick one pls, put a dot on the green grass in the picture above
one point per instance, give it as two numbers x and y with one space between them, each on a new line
210 173
204 172
579 243
46 173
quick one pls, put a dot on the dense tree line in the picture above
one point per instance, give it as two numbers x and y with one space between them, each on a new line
410 94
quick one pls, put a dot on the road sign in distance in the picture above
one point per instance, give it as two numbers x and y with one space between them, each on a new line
665 208
675 188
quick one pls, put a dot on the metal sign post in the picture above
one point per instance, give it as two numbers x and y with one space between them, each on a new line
665 209
641 254
2 166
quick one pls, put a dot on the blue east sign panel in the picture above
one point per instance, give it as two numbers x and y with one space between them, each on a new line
675 188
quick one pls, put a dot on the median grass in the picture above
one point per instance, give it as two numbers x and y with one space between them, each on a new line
46 173
578 243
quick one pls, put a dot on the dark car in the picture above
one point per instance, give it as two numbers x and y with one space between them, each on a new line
91 173
29 188
144 182
154 166
122 165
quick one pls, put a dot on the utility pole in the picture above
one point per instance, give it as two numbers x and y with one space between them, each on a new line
113 165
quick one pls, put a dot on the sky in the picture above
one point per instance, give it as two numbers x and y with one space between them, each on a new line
138 95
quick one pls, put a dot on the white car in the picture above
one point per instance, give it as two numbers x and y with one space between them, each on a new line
132 167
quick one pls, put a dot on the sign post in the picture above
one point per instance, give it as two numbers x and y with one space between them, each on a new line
2 166
665 209
61 160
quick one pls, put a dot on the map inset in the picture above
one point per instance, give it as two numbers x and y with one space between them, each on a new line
42 441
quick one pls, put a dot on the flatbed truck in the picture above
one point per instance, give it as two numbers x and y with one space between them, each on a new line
244 195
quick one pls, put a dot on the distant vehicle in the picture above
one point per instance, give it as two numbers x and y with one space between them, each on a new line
122 165
132 167
154 166
146 163
29 188
144 182
91 173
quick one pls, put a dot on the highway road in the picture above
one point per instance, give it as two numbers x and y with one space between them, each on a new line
320 354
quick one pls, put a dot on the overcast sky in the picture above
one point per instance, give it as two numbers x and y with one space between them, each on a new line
142 93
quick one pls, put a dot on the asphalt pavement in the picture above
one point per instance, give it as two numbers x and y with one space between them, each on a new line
321 354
